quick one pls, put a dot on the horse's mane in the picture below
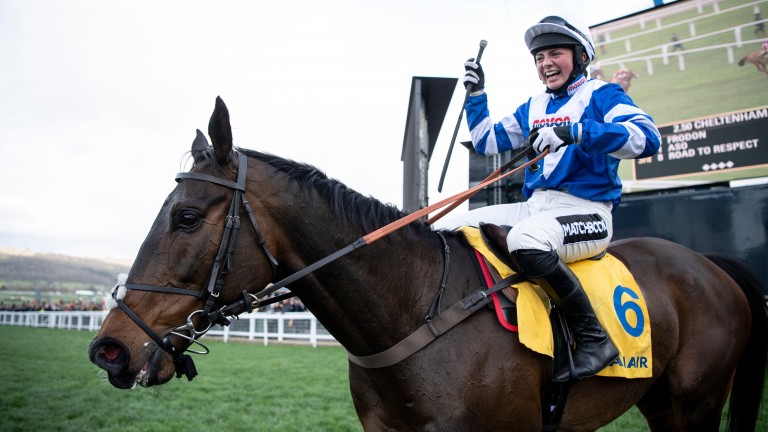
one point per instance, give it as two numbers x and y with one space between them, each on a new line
364 212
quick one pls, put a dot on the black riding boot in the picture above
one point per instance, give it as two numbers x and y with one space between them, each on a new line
594 349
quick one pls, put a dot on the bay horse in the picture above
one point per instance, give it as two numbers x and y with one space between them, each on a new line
757 59
708 319
623 77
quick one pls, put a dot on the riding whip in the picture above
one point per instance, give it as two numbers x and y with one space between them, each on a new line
470 87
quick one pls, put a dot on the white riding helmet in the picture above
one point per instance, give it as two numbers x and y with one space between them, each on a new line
555 31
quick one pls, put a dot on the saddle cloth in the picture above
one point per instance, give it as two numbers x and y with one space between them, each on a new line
617 300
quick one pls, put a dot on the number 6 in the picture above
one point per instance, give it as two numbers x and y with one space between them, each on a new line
622 308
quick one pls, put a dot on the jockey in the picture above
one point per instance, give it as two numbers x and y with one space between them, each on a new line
588 126
764 47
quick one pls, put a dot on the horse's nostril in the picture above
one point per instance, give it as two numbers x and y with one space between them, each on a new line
110 352
110 355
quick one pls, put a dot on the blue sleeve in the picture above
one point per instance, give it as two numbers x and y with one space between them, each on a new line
612 124
489 137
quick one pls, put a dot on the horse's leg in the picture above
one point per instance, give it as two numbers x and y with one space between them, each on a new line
660 410
597 401
696 354
697 392
700 376
656 406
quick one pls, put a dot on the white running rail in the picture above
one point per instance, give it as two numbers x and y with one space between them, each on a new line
299 327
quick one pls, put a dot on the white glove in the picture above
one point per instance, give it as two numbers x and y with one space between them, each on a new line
474 76
552 138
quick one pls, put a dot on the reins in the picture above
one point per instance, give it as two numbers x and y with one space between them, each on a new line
398 224
222 265
493 175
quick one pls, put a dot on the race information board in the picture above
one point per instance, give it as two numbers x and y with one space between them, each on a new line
725 142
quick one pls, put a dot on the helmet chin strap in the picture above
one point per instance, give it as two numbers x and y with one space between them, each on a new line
580 62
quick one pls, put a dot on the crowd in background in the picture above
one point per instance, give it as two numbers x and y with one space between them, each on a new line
292 304
61 305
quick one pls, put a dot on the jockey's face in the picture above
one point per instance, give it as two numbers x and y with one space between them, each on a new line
554 66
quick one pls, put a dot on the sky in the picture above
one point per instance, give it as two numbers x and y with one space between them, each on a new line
100 99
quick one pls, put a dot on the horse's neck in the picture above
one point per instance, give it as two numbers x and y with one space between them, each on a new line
377 295
372 297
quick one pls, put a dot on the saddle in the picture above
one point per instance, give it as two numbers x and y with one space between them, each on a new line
615 297
493 239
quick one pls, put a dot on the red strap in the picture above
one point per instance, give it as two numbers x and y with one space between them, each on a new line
494 296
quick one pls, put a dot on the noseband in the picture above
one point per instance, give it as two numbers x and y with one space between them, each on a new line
221 266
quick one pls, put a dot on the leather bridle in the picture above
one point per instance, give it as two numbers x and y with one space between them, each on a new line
210 294
222 265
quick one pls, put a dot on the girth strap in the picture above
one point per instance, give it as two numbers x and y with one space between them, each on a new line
434 328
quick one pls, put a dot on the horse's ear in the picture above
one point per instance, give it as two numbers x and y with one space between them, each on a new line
198 146
220 132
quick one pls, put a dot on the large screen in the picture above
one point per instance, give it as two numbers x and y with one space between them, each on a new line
698 69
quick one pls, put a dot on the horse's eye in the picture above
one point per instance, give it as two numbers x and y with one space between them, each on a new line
188 219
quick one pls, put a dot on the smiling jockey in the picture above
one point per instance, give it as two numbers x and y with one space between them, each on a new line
588 126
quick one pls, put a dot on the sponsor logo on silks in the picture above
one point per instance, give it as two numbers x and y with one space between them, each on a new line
632 362
576 84
552 122
578 228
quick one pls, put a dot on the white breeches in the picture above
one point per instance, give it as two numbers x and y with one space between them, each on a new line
550 220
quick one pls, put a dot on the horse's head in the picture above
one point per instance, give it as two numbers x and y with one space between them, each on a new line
177 282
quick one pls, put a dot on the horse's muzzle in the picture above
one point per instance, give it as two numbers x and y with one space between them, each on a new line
114 357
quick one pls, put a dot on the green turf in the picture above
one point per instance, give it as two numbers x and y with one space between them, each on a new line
47 383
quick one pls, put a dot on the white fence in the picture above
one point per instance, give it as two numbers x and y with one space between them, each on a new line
299 327
79 320
666 51
264 326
